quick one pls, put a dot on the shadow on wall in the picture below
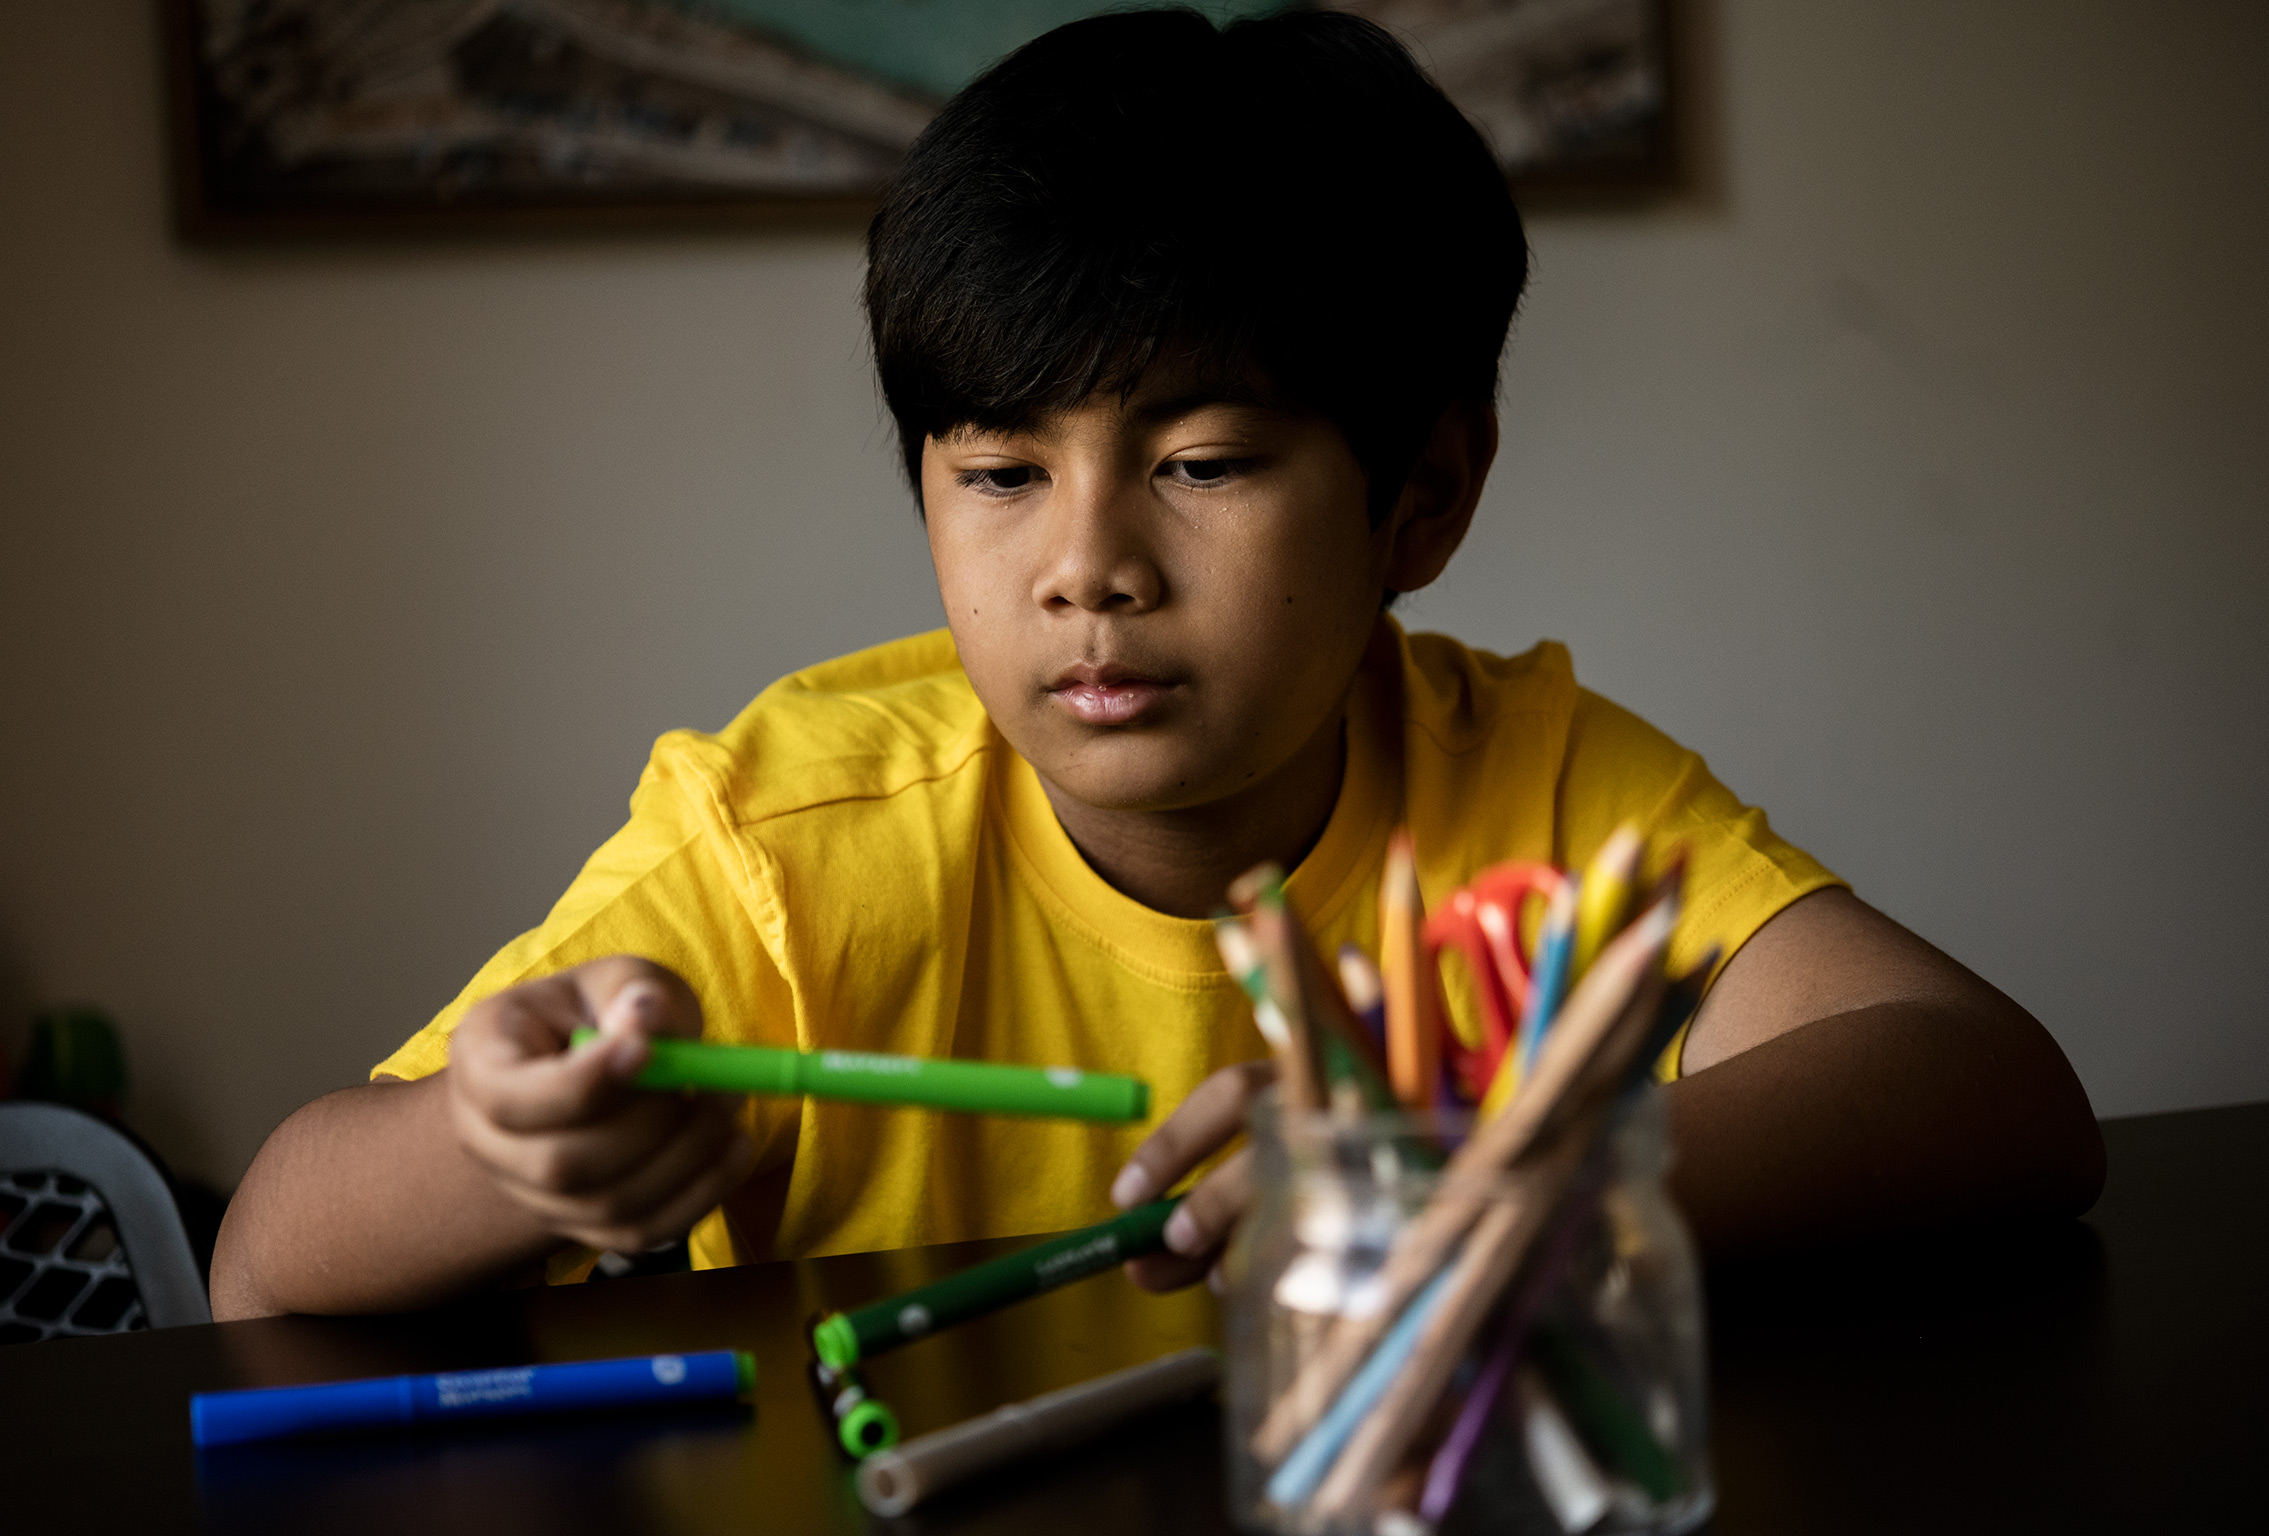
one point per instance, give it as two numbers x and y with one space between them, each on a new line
15 1011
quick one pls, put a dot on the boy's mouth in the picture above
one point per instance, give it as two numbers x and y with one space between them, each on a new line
1106 695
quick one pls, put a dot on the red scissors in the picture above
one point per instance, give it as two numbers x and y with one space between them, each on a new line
1483 919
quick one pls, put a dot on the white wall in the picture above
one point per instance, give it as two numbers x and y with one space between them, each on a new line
1916 475
1924 486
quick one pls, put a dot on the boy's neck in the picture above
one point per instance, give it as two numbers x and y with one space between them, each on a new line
1181 862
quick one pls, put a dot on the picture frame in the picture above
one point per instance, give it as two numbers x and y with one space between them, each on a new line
355 118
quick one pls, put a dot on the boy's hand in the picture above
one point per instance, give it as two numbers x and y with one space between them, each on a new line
562 1131
1199 1127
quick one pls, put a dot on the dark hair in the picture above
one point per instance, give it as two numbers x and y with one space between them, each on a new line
1289 197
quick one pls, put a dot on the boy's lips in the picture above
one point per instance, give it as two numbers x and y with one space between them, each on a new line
1106 695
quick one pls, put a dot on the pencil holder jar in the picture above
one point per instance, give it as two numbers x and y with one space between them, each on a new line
1539 1370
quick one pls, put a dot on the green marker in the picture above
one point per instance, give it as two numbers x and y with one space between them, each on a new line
846 1338
972 1087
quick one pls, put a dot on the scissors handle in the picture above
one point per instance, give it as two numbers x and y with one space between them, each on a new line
1482 921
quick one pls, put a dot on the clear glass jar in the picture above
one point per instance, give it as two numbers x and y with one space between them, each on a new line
1580 1402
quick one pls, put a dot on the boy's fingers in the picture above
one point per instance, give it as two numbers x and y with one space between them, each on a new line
1212 1114
524 1023
1202 1221
523 1093
578 1160
1170 1271
699 1146
1199 1227
512 1048
687 1159
704 1195
721 1171
629 996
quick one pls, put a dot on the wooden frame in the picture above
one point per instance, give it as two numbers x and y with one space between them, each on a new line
1577 97
361 118
367 174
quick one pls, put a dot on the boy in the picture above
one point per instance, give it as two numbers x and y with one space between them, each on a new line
1191 338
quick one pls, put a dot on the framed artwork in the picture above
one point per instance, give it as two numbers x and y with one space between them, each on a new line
339 116
1571 94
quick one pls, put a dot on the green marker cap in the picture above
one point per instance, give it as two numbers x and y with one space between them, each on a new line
869 1427
835 1341
744 1374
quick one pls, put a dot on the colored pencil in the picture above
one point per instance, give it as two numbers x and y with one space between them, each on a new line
1302 1081
1352 1073
1414 1022
1366 994
1243 962
1493 1254
1603 1025
1547 986
1605 903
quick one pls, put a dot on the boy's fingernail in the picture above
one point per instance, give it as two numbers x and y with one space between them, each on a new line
1214 1282
638 1003
1131 1187
1182 1232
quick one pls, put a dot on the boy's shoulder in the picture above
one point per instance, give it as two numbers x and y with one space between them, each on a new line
863 727
1501 718
1464 698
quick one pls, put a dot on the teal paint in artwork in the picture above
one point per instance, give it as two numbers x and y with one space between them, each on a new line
930 48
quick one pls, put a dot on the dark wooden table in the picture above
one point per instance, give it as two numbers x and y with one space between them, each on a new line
2110 1375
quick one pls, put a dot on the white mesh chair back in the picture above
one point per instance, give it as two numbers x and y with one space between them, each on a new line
90 1239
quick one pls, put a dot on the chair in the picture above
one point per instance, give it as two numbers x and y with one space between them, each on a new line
90 1239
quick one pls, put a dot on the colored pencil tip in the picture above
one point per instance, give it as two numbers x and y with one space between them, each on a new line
1236 946
1263 884
1359 979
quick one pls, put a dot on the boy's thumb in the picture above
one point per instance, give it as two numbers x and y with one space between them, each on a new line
640 1009
635 1014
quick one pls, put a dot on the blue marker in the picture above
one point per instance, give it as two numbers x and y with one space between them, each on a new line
396 1402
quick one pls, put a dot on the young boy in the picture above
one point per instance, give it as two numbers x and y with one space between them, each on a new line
1192 341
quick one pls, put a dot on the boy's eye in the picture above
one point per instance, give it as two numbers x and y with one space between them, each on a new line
1203 471
1004 481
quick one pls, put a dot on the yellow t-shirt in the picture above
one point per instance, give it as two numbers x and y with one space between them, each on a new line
861 862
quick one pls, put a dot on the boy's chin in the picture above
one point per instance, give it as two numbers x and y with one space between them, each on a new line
1132 777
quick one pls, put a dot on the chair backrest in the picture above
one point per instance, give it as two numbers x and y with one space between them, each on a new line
90 1239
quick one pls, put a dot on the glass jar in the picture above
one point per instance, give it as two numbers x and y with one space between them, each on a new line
1578 1403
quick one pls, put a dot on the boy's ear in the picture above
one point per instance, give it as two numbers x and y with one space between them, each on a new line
1437 502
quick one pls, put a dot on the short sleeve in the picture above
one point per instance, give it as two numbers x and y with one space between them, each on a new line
1739 871
670 887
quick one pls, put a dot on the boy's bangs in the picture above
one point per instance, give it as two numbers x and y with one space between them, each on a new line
1287 209
1016 378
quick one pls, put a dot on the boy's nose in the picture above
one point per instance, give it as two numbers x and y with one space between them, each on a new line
1099 560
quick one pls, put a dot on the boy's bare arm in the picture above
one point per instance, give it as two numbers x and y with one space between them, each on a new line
364 1201
400 1195
1844 1080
